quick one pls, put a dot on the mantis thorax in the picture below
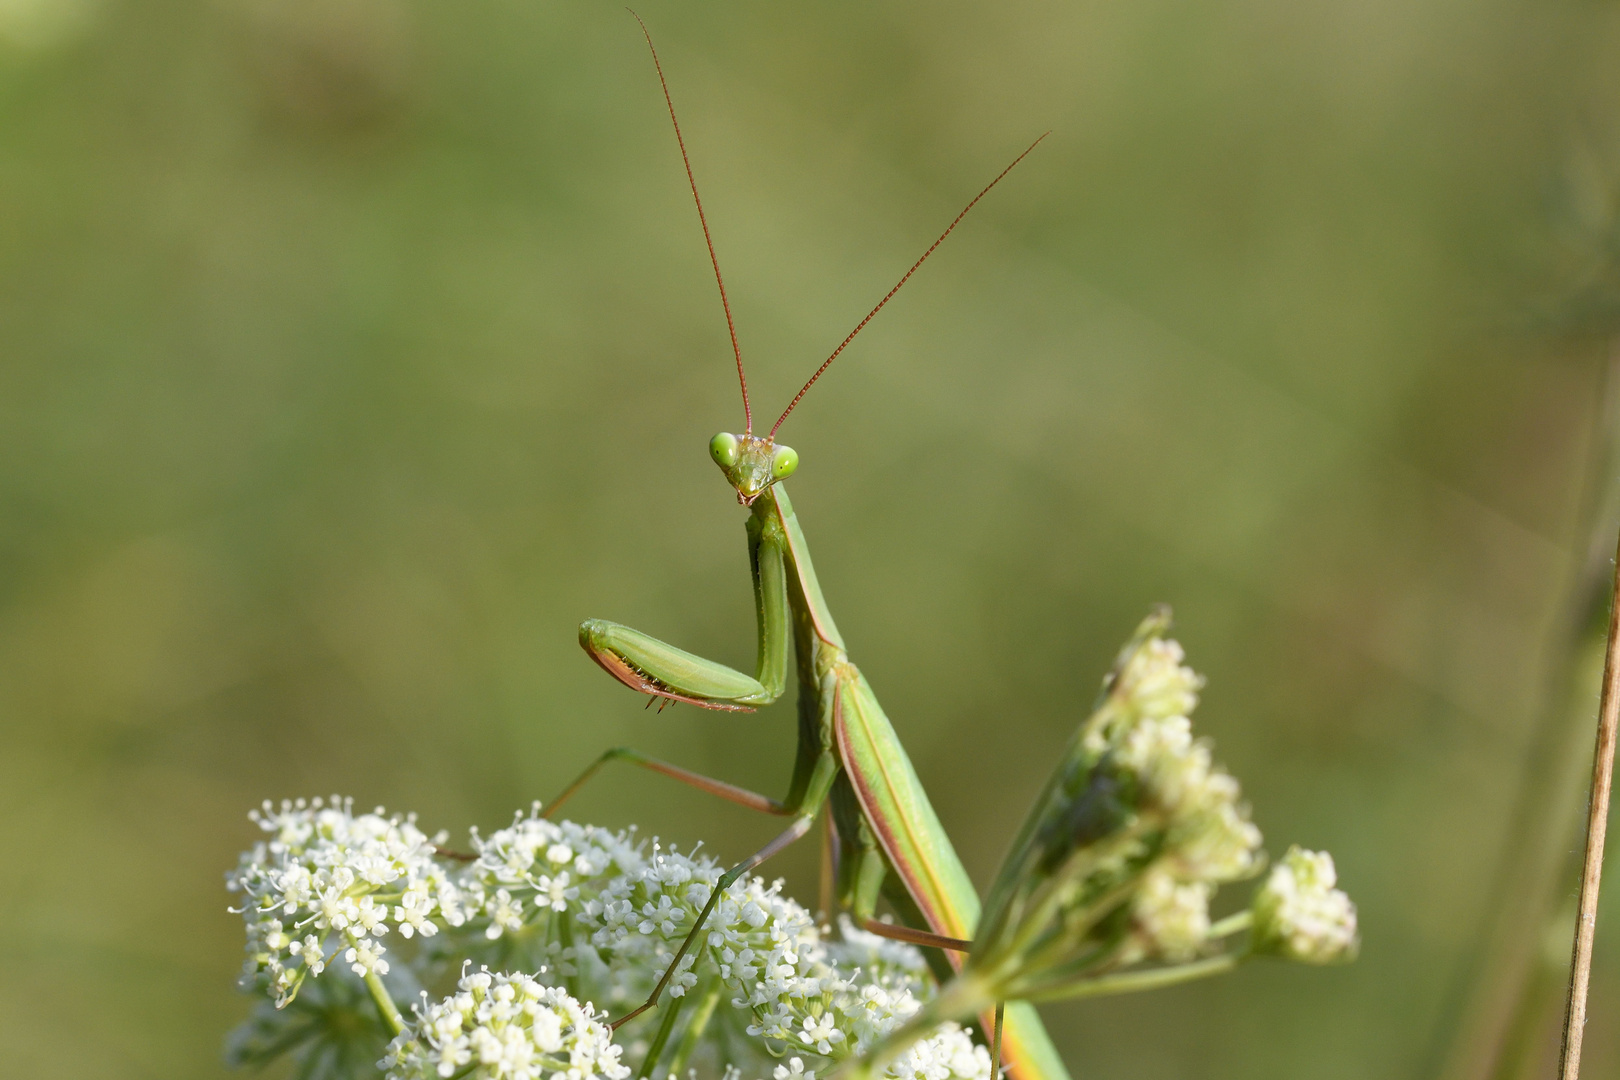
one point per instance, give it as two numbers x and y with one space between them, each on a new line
752 464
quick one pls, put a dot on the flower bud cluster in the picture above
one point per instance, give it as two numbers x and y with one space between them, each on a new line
1107 886
1156 681
1208 838
1123 851
1299 915
505 1027
1188 810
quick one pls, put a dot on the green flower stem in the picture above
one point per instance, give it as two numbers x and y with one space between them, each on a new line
671 1011
1027 959
695 1028
392 1020
1232 924
563 926
1053 895
385 1004
1132 981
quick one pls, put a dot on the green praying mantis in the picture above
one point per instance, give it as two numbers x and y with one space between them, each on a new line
887 839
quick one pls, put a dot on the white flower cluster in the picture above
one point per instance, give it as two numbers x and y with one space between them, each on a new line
327 879
949 1054
1209 838
574 904
811 996
1299 914
505 1027
535 868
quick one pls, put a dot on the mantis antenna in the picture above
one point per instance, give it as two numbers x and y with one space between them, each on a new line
890 294
748 415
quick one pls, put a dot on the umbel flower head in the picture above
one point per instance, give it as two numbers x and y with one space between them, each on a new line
328 884
1119 857
505 1027
597 912
1106 888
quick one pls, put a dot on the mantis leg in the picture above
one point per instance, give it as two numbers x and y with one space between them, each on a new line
827 894
646 664
868 877
729 792
821 782
895 932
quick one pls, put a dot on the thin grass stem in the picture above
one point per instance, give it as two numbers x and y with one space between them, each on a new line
1597 823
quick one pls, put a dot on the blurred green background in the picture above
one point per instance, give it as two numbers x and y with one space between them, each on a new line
352 351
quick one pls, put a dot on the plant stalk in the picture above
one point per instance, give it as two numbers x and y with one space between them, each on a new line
1597 822
694 1029
385 1004
1133 981
672 1009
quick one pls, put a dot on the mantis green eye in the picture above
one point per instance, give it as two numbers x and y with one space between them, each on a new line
783 462
724 449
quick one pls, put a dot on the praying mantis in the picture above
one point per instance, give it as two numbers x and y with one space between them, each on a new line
886 837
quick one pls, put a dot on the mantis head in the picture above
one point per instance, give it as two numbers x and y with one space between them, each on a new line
752 464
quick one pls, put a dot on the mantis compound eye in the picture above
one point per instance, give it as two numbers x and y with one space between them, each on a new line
724 449
783 462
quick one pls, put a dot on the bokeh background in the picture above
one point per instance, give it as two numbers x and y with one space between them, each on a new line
352 351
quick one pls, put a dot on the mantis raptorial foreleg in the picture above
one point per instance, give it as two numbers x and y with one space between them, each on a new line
883 818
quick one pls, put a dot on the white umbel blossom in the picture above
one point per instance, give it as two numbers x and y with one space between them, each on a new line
577 904
327 873
533 849
505 1027
947 1055
831 999
1211 836
1299 914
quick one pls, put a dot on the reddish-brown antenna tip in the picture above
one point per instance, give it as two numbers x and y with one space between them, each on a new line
903 279
742 379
